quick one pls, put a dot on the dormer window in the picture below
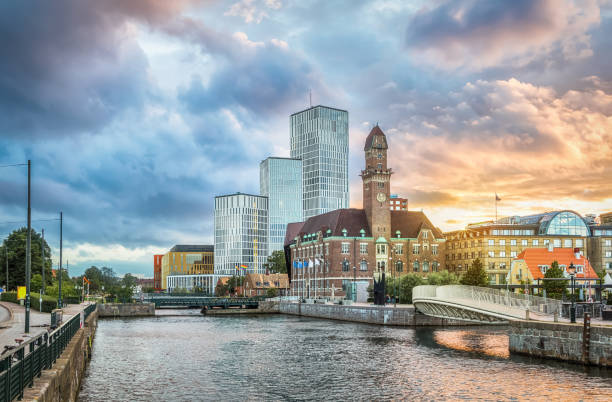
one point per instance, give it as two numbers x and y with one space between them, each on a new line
362 233
379 156
398 234
344 232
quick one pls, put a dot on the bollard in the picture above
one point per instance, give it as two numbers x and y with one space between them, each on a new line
556 316
527 314
586 338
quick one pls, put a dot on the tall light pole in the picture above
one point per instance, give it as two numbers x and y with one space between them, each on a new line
59 295
572 271
28 255
42 250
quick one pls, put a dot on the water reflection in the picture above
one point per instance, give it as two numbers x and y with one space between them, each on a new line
284 357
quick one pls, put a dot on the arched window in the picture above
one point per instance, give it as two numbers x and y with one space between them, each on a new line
434 266
415 266
399 266
345 265
425 266
363 265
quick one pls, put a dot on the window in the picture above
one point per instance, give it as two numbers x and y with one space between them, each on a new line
524 242
513 242
579 269
345 266
534 242
399 266
326 249
415 249
491 254
381 184
415 266
513 254
434 266
608 254
502 242
502 265
363 265
425 266
543 268
491 242
363 248
379 166
425 234
399 249
502 253
491 265
434 249
608 242
345 248
567 243
557 243
381 249
579 243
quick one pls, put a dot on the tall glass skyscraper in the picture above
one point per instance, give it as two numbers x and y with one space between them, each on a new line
280 179
241 234
319 137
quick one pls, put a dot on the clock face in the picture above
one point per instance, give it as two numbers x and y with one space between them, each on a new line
381 197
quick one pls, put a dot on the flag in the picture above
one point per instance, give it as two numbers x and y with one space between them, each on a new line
300 264
305 264
497 197
86 280
295 264
243 266
317 262
310 264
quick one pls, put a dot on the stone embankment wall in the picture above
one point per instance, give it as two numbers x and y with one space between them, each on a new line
401 316
126 310
63 381
561 342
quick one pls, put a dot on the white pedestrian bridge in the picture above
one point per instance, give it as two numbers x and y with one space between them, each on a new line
482 305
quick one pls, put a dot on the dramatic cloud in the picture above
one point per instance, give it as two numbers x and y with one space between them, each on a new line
137 113
480 33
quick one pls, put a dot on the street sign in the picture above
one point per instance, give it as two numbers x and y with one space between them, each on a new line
21 292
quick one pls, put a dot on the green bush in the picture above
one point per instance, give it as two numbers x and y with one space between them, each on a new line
71 300
49 303
10 297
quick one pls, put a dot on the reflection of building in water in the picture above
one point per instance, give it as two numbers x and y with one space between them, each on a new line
494 343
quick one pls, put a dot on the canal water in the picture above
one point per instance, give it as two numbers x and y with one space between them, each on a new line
280 357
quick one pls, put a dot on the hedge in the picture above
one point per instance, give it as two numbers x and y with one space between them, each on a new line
49 302
71 300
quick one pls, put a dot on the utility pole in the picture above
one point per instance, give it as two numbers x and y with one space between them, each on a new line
42 248
28 256
6 255
59 296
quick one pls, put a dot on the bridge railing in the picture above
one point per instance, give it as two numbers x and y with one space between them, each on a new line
503 300
424 291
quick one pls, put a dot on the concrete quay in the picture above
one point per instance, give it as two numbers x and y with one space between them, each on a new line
126 310
402 315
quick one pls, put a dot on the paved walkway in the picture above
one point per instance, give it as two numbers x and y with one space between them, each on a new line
12 327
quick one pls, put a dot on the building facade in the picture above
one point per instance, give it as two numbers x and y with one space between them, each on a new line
319 137
157 272
337 254
241 234
600 244
496 244
185 259
200 283
258 284
396 203
280 179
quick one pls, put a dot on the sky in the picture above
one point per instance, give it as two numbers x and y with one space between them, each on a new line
136 114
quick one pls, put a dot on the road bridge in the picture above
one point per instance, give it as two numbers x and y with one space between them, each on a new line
161 300
483 305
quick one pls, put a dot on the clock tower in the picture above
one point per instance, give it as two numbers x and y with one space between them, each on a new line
376 179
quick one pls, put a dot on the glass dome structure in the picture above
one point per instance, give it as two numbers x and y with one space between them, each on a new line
563 223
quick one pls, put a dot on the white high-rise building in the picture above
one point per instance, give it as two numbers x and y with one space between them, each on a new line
319 137
241 234
280 179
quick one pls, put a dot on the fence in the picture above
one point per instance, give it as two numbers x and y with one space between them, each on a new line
498 299
20 366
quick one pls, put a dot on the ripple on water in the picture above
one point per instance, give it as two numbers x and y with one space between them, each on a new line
283 357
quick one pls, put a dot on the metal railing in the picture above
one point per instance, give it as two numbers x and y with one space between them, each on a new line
19 367
494 300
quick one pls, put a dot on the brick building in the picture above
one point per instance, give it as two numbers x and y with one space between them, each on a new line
337 254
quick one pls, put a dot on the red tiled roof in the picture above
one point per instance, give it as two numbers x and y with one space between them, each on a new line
376 131
564 256
409 223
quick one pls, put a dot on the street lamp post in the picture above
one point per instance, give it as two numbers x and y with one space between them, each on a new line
354 283
572 272
28 255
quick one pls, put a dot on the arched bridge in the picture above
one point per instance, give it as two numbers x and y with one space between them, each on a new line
483 305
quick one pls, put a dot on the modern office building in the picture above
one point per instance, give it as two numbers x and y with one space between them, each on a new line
320 138
200 283
241 234
497 243
186 260
280 179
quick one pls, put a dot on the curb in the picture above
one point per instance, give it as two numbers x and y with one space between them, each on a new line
10 320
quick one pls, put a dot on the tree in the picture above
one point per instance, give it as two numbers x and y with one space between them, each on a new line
555 288
407 283
475 275
94 276
276 263
14 247
442 278
271 292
